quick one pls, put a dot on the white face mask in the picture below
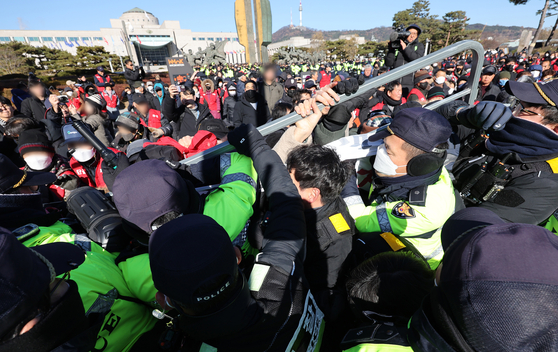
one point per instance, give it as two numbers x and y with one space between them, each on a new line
440 80
232 93
38 162
299 85
69 94
220 84
450 91
383 163
535 73
83 154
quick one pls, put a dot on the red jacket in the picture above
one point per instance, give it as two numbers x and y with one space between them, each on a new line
381 104
82 173
326 79
212 99
202 140
102 79
153 119
418 93
112 100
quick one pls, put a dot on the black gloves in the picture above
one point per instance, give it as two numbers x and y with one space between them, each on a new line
486 115
247 140
347 87
68 182
109 174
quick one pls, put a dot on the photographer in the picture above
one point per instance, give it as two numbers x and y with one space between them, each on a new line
403 48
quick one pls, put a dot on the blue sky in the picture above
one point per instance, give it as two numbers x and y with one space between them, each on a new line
218 15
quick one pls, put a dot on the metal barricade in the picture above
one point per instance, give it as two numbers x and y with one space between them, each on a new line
409 68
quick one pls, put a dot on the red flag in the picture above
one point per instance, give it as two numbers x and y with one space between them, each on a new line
138 39
106 41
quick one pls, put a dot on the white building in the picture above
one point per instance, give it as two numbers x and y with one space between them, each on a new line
136 33
293 42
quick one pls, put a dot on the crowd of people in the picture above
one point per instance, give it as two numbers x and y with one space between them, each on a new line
375 224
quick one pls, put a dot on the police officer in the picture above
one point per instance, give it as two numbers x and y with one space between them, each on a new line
273 309
410 192
401 52
507 161
40 312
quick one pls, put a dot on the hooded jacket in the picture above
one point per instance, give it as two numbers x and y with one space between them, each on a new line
157 101
211 97
182 119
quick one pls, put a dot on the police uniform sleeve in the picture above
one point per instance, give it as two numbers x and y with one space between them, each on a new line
231 204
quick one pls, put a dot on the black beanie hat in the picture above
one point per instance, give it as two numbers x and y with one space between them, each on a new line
33 140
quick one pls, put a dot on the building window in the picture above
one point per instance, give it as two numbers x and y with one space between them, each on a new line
193 38
201 38
85 38
100 39
33 39
73 39
60 39
4 39
47 39
155 56
19 39
211 39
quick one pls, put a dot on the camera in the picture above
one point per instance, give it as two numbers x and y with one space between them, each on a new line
399 34
180 88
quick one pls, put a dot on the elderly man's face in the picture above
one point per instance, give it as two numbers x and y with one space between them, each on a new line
413 36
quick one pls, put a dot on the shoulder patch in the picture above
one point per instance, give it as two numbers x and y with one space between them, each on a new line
339 223
403 210
394 242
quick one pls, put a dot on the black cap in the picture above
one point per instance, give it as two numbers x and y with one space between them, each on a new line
489 70
422 128
25 276
215 126
207 276
139 98
534 93
100 68
309 84
498 285
163 191
12 177
290 83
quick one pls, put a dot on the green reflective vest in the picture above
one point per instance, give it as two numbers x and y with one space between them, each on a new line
421 225
372 347
101 285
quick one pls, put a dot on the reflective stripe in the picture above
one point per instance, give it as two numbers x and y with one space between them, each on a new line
352 200
239 176
83 242
224 163
434 254
103 303
383 219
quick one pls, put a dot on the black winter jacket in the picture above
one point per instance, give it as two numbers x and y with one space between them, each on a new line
228 107
244 112
395 59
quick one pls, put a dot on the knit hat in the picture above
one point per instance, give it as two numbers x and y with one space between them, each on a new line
96 100
436 92
128 119
33 140
505 75
420 75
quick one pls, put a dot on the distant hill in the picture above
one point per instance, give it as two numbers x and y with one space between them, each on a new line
502 33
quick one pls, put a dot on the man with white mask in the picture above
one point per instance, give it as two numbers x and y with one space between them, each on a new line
411 194
39 155
87 162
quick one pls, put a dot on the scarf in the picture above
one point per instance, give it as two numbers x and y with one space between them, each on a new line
390 101
529 140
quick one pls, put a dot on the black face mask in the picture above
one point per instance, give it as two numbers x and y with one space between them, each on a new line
128 136
423 85
251 96
509 68
458 71
291 92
